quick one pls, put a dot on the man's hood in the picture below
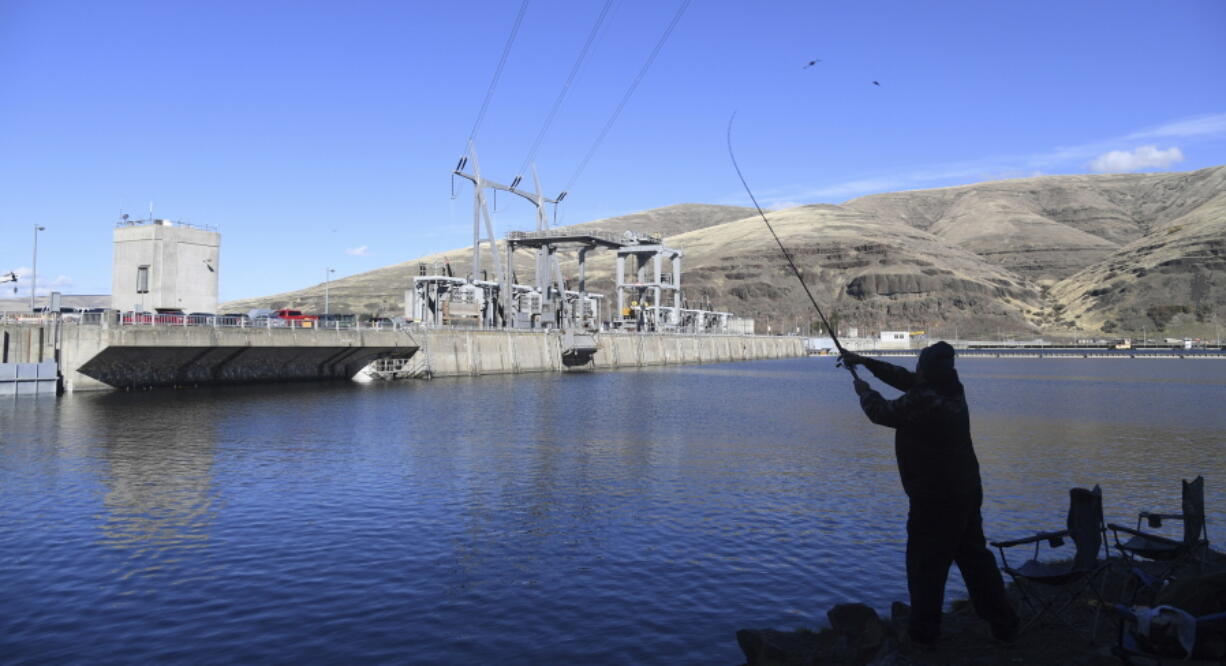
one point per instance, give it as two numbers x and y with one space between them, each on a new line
936 365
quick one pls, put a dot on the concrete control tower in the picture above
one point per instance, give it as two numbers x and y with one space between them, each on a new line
164 264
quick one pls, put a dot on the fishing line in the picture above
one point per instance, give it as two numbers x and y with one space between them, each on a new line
786 255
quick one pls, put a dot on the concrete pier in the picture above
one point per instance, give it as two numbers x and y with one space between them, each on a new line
97 357
102 357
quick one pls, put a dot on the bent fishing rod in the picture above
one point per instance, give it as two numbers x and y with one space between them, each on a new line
786 255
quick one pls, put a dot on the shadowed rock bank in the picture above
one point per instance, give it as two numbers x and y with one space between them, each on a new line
858 636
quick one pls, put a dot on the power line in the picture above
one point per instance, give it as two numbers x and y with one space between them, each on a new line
629 91
506 51
557 103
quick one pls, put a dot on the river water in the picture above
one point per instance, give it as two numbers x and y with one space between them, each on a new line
618 517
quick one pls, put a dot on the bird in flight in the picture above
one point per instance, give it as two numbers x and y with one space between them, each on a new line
811 63
876 84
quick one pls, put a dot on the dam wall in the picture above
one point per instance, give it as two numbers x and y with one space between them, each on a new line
630 350
27 344
107 356
451 352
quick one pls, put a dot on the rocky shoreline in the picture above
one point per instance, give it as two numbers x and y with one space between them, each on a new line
858 636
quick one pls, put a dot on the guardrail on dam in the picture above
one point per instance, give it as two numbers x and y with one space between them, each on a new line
101 357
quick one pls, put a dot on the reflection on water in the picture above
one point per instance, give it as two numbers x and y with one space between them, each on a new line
158 500
637 516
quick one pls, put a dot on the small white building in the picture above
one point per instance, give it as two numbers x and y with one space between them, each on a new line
740 325
164 264
894 340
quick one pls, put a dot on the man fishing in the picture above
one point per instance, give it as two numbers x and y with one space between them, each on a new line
939 472
940 475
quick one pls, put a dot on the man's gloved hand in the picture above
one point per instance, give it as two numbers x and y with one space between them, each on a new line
861 386
851 359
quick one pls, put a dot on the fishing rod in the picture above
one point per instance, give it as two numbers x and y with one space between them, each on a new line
786 255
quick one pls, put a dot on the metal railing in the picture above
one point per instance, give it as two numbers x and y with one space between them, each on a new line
158 320
160 222
243 322
624 237
165 320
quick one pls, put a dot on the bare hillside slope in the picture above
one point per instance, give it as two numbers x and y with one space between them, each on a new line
1117 254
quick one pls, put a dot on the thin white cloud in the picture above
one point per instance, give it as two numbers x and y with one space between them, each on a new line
359 251
852 188
1200 126
1061 159
1137 159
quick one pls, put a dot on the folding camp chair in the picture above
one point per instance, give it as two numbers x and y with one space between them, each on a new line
1174 554
1161 641
1066 580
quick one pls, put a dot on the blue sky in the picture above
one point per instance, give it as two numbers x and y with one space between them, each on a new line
320 135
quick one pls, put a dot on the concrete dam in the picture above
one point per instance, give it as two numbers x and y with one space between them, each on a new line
98 356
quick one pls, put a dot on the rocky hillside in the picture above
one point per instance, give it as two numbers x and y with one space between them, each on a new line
381 291
1116 254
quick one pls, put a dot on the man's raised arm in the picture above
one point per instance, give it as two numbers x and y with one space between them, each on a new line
900 378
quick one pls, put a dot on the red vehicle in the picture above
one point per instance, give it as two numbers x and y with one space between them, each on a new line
295 318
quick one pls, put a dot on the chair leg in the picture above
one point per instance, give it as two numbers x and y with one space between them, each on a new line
1097 592
1052 607
1061 606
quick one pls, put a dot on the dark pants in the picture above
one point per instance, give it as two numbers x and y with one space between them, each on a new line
942 532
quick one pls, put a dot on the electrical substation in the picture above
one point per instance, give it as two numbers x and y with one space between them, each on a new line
647 299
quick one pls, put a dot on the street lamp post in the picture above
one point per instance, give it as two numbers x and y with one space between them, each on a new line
34 266
327 279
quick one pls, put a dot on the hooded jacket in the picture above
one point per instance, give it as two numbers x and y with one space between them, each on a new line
932 439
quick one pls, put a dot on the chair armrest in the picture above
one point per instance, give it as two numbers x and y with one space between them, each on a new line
1151 516
1041 536
1128 530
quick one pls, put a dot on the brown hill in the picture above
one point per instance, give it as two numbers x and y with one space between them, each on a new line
1172 279
381 291
1055 254
669 220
